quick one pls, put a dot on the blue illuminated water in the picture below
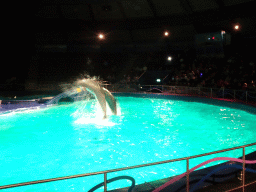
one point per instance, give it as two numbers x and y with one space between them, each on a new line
70 139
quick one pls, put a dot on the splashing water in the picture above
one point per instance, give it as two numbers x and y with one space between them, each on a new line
93 114
83 89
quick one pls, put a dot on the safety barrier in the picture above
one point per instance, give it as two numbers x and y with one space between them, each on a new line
145 165
222 93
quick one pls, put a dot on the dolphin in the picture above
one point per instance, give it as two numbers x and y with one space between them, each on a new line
102 95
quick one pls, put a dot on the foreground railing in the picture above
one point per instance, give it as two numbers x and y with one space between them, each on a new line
139 166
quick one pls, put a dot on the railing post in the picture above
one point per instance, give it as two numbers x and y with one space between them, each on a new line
223 92
243 176
187 175
211 92
234 94
105 182
246 96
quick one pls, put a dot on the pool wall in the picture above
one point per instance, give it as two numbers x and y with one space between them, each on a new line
211 101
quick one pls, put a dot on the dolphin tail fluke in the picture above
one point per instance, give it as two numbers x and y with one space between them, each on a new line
102 95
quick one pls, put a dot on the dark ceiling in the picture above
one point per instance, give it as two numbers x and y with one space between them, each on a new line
129 21
74 25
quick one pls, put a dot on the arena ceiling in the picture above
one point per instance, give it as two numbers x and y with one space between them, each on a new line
126 21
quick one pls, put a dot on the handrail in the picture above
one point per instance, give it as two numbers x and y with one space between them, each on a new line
179 86
119 169
247 95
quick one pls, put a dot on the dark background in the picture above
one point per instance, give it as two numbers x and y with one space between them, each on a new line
57 40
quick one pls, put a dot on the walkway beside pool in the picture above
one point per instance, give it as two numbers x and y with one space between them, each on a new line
225 186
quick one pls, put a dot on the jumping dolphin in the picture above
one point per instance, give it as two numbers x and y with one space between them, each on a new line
102 95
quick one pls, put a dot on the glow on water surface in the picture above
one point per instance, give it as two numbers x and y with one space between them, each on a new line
71 139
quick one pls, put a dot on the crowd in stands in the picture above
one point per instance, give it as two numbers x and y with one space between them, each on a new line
231 73
217 73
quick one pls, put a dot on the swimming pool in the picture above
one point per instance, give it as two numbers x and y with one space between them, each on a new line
69 139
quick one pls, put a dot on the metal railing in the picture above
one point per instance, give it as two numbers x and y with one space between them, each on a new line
246 96
139 166
221 93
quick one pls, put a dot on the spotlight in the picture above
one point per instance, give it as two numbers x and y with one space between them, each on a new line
236 27
169 58
166 33
101 36
158 80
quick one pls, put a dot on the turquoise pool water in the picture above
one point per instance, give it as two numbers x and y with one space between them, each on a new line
69 139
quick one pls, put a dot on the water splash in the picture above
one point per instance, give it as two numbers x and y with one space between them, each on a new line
95 120
91 113
82 89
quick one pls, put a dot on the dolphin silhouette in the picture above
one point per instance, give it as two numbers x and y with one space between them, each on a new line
102 95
